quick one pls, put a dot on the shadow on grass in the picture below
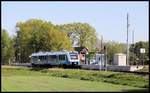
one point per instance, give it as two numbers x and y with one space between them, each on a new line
38 68
137 90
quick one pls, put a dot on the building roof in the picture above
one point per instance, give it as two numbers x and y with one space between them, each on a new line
79 49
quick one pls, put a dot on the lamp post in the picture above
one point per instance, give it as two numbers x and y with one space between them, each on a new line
127 45
17 29
19 53
133 44
100 59
105 49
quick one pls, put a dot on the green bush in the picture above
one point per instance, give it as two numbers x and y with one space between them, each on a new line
44 71
65 76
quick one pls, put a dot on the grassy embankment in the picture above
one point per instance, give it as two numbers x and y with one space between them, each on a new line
102 76
104 80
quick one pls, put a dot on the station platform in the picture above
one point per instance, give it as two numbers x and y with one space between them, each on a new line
111 68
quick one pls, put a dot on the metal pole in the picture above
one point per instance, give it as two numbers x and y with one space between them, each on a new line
143 60
105 58
133 43
17 29
127 50
100 63
132 36
19 54
101 42
101 52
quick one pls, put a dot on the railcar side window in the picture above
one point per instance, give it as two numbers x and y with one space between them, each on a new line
42 57
62 57
34 57
52 57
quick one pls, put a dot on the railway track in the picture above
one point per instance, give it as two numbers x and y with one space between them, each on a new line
21 64
132 72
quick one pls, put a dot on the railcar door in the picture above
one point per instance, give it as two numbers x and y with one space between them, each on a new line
52 59
62 59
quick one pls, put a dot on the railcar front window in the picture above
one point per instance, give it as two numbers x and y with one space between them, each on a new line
74 56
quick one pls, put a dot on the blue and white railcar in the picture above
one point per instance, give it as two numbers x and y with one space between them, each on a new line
55 58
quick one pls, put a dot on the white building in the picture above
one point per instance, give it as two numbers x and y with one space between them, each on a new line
119 59
100 59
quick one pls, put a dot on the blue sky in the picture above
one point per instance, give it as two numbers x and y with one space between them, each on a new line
108 18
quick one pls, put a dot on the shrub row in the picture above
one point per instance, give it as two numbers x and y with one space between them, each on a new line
109 77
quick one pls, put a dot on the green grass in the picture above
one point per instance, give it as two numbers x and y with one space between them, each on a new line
109 77
54 84
27 79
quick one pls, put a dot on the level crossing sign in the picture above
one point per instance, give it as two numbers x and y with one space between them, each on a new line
142 50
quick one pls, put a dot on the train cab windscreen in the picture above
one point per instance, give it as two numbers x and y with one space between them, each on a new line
74 56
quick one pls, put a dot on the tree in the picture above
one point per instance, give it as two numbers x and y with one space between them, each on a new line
81 34
36 35
137 54
7 47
